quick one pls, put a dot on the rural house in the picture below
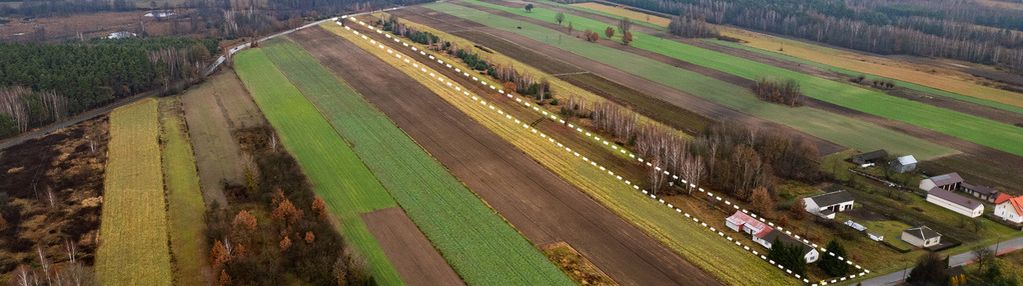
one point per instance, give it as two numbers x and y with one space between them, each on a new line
948 182
921 236
1009 208
872 157
827 205
904 164
981 192
772 237
742 222
955 202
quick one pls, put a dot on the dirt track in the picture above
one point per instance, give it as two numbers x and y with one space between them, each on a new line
419 263
482 34
543 207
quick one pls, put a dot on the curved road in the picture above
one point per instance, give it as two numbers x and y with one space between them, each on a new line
954 260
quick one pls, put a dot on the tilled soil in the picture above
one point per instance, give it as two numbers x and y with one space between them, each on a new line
536 201
420 263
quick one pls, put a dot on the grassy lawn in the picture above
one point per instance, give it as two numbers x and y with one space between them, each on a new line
912 76
133 248
891 229
494 254
983 131
836 128
185 210
336 173
698 245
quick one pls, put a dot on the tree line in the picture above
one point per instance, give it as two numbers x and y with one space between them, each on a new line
513 79
785 92
42 83
726 157
916 28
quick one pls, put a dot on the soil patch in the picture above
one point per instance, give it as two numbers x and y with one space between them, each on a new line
407 248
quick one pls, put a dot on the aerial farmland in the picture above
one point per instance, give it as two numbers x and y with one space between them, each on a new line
511 142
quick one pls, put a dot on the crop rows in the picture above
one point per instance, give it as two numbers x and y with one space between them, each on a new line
476 241
843 130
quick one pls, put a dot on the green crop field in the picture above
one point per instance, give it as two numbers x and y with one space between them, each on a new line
850 73
133 247
185 208
337 174
982 131
494 254
832 127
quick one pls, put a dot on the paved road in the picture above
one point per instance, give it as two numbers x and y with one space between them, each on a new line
43 131
955 260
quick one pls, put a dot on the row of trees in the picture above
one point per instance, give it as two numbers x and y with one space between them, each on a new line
41 83
689 27
513 79
782 92
886 28
726 157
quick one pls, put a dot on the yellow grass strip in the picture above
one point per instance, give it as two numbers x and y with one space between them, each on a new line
699 246
133 246
922 74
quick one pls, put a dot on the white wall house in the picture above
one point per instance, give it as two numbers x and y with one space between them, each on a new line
827 205
921 236
1009 208
955 202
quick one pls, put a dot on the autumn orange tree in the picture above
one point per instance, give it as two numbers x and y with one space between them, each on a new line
762 202
609 32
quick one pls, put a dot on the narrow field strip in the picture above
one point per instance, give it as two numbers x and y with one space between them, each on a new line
979 130
475 240
602 176
336 173
185 207
133 246
840 129
527 103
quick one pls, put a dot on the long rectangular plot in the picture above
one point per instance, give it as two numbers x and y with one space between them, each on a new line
185 208
337 174
494 254
133 234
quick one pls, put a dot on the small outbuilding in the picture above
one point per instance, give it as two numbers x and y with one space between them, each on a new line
827 205
872 157
904 164
948 182
1009 208
985 193
921 236
955 202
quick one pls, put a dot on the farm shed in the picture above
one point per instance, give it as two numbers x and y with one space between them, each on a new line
904 164
948 182
986 193
955 202
1009 208
827 205
872 157
921 236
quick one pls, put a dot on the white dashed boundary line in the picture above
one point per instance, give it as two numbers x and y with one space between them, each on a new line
536 108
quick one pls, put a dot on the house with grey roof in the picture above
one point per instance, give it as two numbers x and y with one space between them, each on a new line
827 205
948 182
955 202
772 237
872 157
921 236
985 193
